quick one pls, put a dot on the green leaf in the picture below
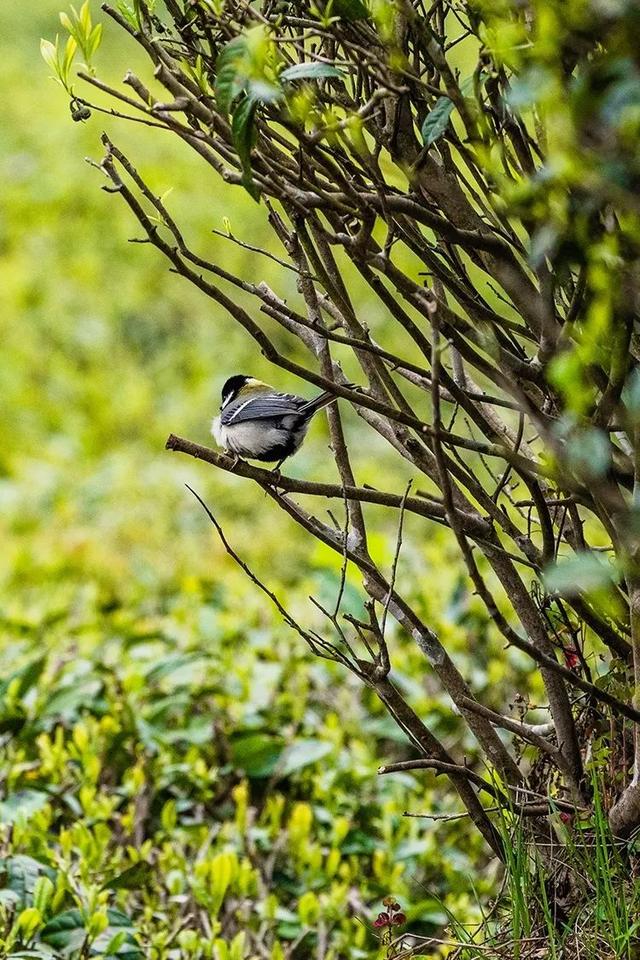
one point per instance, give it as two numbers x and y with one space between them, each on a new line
66 932
584 572
310 71
230 79
28 677
350 9
243 132
49 53
20 875
39 952
264 92
133 878
70 49
128 13
85 17
631 393
257 754
358 842
436 121
169 665
301 754
67 701
19 807
588 453
95 38
529 88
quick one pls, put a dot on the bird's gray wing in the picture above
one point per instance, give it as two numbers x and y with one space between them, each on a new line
263 406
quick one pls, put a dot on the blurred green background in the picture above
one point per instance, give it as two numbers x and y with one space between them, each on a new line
113 585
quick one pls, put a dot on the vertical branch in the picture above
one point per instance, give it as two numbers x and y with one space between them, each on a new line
624 816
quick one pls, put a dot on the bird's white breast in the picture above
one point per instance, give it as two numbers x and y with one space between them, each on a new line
249 438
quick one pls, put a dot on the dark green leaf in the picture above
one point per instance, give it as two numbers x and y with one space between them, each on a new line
243 132
436 121
257 754
230 78
197 732
20 875
132 878
289 931
66 932
67 701
358 842
171 664
350 9
12 722
310 71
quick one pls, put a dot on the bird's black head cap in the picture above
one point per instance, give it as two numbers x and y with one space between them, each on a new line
233 386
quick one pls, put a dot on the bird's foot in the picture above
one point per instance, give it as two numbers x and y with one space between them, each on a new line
276 474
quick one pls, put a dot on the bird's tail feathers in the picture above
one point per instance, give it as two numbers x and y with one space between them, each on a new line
322 400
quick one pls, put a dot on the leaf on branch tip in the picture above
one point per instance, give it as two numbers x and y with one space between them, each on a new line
310 71
436 121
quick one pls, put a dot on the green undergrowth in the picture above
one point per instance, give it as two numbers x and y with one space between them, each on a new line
577 898
178 785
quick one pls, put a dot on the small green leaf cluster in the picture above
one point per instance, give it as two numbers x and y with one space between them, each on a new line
83 35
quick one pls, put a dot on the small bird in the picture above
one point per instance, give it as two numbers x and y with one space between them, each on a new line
259 423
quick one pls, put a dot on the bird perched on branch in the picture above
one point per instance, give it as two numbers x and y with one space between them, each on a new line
259 423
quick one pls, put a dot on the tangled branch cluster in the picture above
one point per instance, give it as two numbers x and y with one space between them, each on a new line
359 131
